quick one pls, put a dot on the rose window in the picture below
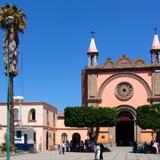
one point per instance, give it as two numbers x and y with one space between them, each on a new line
124 91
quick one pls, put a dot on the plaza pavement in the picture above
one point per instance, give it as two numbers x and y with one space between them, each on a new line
117 153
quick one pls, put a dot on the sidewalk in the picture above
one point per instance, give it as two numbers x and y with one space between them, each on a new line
2 154
117 153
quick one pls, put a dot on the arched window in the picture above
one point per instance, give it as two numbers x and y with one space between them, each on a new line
63 137
16 115
32 114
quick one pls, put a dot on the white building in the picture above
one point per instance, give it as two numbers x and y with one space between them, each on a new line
34 124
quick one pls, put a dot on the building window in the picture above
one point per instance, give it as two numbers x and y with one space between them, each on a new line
16 115
47 117
64 137
103 137
32 115
54 119
34 136
18 134
124 91
53 138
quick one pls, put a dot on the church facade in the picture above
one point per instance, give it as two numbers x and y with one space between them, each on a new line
125 85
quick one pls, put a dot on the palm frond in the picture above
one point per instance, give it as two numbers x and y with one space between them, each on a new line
19 17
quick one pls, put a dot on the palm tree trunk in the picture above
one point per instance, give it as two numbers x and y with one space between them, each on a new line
11 112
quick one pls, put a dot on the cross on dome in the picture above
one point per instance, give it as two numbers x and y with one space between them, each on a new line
155 30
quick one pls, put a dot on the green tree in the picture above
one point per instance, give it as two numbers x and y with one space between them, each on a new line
148 117
10 44
90 117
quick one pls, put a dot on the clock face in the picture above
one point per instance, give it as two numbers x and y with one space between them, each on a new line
124 91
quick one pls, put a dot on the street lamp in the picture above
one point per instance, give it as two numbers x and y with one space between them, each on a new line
9 24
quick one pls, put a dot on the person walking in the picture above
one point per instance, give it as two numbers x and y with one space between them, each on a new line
67 146
101 151
63 147
98 152
59 148
95 150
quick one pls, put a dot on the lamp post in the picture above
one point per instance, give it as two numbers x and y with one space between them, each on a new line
9 24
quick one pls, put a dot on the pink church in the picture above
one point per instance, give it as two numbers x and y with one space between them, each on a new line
124 84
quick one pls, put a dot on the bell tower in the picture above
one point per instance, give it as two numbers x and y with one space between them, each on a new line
92 52
90 85
155 60
155 50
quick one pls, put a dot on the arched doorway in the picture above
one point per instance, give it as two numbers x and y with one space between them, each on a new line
125 129
76 138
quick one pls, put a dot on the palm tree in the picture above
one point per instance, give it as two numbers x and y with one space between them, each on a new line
10 44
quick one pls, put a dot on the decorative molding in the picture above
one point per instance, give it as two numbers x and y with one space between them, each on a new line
30 120
33 126
154 99
36 104
139 62
116 68
124 74
103 131
73 128
147 131
124 60
94 100
127 108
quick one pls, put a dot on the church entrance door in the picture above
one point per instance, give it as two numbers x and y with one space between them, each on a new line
125 129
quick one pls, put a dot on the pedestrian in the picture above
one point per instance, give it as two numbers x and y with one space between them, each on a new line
82 146
71 146
159 146
59 149
134 147
155 145
67 146
101 151
63 147
98 152
95 150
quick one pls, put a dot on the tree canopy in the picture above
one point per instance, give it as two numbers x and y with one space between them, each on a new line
148 116
18 15
90 117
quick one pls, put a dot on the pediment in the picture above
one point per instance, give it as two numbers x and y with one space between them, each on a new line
139 62
108 62
124 60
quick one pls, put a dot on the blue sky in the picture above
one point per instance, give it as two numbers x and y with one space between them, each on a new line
57 37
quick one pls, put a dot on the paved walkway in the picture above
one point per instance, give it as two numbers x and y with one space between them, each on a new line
117 153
